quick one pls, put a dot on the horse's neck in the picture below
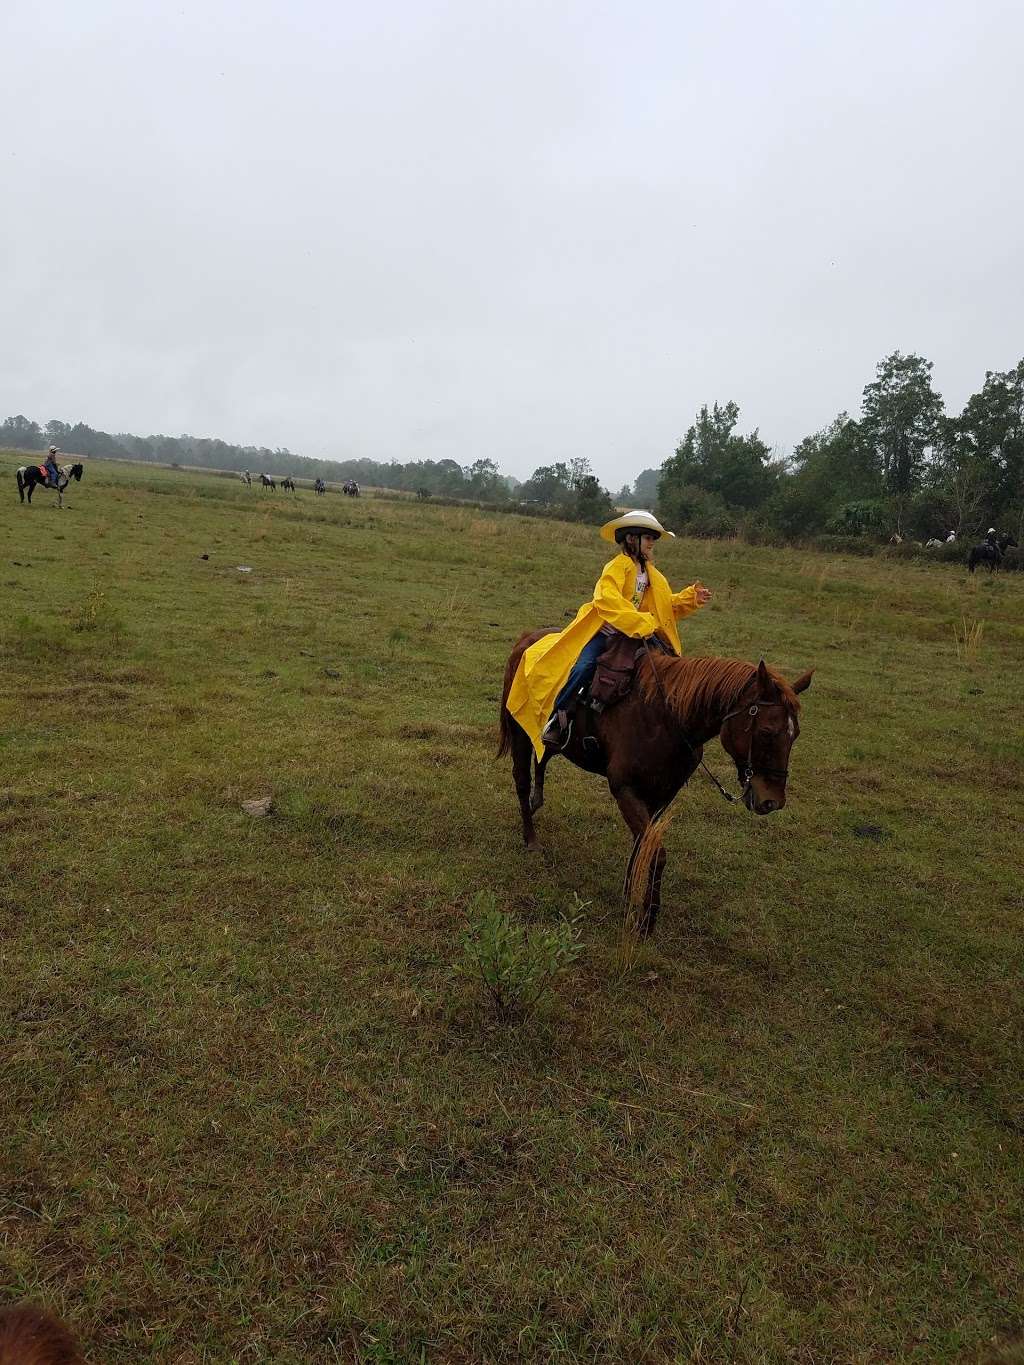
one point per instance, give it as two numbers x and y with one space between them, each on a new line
714 694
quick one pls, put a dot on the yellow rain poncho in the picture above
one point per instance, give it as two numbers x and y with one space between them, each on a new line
545 666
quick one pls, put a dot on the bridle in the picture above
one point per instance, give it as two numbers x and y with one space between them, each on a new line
749 771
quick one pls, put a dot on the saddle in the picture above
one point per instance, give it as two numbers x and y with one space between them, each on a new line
616 669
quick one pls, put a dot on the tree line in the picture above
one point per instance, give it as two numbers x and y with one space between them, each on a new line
902 465
481 481
566 490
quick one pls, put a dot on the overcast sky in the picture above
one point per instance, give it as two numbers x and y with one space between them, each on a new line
527 231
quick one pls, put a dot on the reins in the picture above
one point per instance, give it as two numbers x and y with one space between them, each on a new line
700 761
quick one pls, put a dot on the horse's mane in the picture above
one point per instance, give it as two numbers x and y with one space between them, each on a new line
700 690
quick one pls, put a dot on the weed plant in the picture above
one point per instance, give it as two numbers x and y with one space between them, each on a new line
514 963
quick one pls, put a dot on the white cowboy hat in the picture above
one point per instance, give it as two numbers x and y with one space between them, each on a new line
638 520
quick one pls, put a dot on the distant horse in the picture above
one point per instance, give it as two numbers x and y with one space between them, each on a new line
319 488
288 485
246 478
989 554
32 476
351 488
267 482
650 744
934 544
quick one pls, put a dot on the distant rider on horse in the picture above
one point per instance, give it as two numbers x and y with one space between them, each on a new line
51 467
631 598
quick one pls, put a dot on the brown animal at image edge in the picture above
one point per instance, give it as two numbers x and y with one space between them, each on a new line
32 1336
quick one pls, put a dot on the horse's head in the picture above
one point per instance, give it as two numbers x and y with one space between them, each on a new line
758 734
75 472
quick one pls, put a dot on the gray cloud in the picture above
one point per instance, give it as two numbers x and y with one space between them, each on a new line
528 231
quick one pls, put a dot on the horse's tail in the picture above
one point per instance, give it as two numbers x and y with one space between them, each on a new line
505 721
972 559
647 849
21 485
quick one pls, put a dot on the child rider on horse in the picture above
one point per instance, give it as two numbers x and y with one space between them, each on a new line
51 466
632 598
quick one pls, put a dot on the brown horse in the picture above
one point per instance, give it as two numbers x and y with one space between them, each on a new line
650 744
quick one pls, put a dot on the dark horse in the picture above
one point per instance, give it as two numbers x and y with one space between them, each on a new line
319 488
351 488
32 476
267 482
650 744
987 553
288 484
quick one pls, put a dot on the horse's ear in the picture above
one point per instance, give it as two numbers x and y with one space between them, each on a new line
764 678
803 682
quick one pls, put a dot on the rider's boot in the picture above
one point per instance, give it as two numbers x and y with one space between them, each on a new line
557 732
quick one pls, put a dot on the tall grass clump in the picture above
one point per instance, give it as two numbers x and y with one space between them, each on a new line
967 639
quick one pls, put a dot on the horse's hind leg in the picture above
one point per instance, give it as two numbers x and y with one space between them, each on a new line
537 792
522 762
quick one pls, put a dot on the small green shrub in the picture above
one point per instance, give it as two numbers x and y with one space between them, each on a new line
846 545
516 964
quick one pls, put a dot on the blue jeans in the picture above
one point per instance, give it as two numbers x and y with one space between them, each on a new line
582 670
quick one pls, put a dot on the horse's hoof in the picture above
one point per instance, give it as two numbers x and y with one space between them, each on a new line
532 846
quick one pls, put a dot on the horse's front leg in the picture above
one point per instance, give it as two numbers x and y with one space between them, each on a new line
637 815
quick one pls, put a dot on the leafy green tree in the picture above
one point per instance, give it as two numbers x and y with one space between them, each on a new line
958 482
833 467
989 446
550 483
737 469
57 433
900 413
645 490
591 502
21 434
483 480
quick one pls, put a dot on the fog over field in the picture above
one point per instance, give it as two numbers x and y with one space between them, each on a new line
525 232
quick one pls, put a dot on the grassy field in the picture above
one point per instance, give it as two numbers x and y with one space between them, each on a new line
249 1110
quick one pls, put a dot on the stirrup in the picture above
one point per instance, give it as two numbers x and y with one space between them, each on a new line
557 733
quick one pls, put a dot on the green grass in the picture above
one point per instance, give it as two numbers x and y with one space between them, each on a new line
249 1110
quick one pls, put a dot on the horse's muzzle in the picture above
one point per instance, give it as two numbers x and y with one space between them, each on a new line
763 804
